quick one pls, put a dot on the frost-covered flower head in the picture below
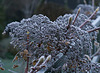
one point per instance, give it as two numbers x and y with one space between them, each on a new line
63 20
42 37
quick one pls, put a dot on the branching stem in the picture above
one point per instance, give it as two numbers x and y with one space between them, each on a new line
89 17
98 28
76 15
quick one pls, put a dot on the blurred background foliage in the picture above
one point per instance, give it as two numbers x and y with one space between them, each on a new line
16 10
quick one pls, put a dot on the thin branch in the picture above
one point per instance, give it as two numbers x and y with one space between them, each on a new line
76 15
26 70
89 17
98 28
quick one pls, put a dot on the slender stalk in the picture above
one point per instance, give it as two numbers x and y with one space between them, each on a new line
26 70
76 15
98 28
89 17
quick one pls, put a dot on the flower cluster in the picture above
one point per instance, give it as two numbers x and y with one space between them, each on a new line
41 37
63 20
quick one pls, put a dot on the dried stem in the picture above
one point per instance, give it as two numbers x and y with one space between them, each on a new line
76 15
98 28
89 17
26 70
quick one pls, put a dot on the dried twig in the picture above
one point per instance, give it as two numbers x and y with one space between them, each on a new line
89 17
26 70
76 15
98 28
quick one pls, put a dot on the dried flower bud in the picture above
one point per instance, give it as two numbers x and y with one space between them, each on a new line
15 58
67 43
1 68
21 53
15 66
97 9
49 49
48 58
25 57
28 32
87 57
25 52
34 62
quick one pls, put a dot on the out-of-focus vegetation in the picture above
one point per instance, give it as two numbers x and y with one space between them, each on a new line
8 66
7 63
